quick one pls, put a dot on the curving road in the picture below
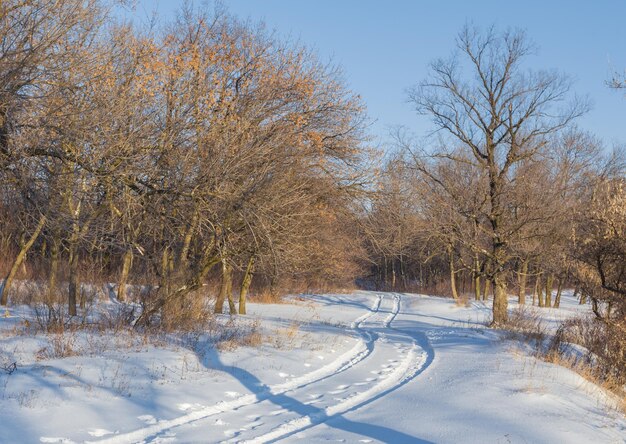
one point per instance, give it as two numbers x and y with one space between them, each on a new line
383 359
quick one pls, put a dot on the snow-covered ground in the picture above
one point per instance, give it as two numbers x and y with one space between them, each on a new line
364 367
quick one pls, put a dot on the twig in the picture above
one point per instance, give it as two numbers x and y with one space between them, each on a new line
10 368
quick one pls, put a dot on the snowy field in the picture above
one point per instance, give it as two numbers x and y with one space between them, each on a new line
359 368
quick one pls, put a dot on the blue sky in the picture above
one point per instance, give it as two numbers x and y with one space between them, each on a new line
385 47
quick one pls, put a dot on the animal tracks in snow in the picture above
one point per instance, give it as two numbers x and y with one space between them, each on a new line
345 383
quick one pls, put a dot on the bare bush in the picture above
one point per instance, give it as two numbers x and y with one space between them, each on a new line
604 347
526 323
60 345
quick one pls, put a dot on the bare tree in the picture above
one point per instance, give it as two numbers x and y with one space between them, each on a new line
155 156
501 116
39 40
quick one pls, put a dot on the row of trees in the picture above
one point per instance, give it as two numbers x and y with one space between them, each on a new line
206 147
511 196
159 156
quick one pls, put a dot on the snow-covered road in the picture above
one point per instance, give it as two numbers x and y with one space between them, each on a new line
382 360
363 367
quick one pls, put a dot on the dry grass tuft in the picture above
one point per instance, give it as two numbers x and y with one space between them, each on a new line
242 335
590 373
601 353
60 345
526 323
594 349
285 338
463 301
266 297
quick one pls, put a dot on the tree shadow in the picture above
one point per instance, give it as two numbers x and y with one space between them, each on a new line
316 415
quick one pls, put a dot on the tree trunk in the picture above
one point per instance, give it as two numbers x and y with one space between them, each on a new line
221 297
523 272
126 266
559 289
73 285
477 287
164 280
19 260
163 295
595 308
583 297
83 296
54 267
539 291
500 301
486 290
403 273
245 285
72 281
476 280
549 281
455 294
232 309
187 240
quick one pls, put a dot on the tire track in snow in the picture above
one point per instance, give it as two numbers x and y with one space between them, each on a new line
416 360
358 353
394 311
374 309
